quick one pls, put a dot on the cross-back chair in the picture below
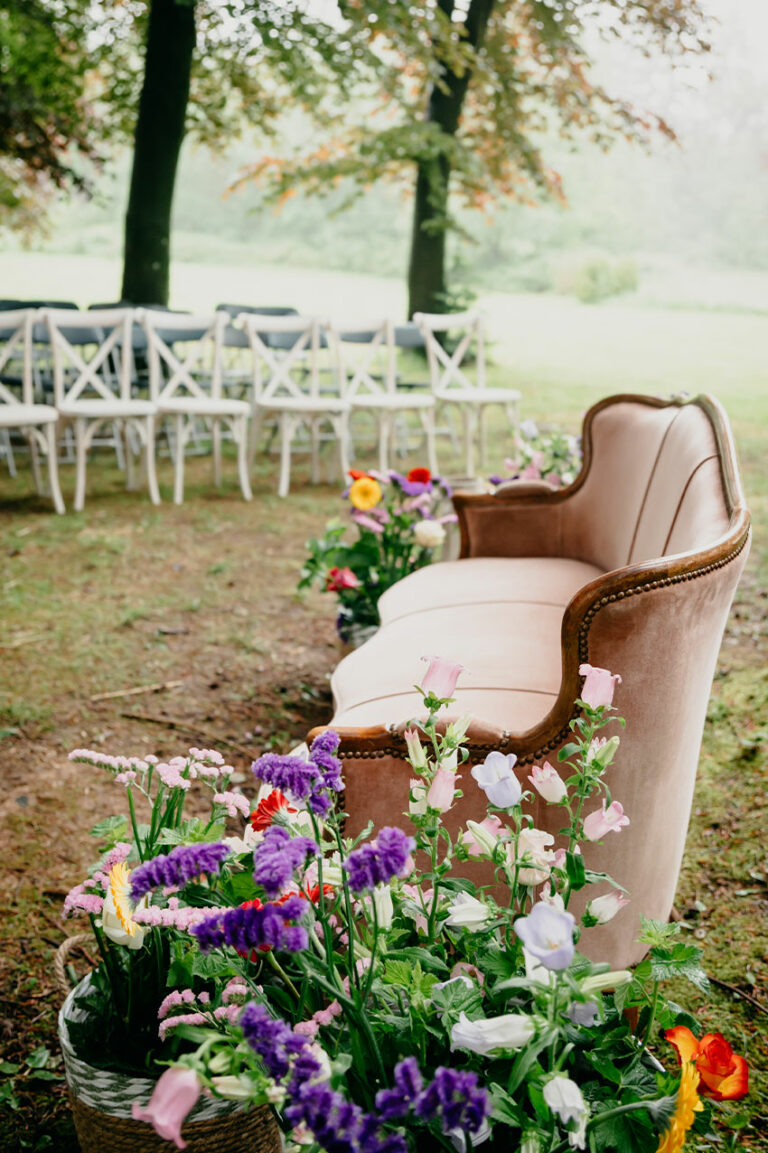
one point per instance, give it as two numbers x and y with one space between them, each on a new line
453 341
289 385
368 356
92 370
18 411
186 386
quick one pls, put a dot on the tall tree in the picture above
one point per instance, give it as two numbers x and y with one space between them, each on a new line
160 128
481 84
48 131
211 67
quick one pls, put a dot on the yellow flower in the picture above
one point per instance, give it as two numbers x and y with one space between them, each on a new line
365 493
117 914
688 1104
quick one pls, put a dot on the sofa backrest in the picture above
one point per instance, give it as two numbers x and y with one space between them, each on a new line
654 486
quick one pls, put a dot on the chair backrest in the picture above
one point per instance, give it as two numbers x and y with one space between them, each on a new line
91 353
16 354
452 341
653 484
368 363
196 370
293 368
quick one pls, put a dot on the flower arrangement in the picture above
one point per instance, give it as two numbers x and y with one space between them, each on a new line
399 527
382 1006
549 455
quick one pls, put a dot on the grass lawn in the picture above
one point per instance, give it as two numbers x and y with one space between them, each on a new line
200 599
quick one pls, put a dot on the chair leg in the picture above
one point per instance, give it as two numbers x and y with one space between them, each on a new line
80 458
53 468
121 432
240 428
481 435
216 434
286 436
469 438
428 420
314 432
342 437
178 463
385 433
8 452
34 456
149 460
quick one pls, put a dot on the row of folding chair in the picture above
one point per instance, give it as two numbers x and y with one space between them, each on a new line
140 369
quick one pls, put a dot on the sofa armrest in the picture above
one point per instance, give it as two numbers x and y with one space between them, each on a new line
523 518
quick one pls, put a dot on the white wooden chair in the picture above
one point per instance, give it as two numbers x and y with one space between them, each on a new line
287 373
95 390
37 422
368 356
451 382
187 387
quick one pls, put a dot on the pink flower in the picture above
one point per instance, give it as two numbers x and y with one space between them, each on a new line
547 782
365 521
603 821
474 842
441 677
605 908
598 687
341 578
442 790
174 1096
530 472
464 969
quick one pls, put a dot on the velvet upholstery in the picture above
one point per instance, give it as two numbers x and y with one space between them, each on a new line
631 568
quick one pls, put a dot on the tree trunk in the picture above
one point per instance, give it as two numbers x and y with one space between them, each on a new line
427 283
159 135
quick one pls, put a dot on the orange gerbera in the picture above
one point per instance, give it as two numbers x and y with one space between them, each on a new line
686 1108
724 1075
365 493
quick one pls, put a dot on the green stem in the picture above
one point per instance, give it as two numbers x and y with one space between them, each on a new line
134 826
272 960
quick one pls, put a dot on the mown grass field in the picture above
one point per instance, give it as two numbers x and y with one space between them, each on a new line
201 599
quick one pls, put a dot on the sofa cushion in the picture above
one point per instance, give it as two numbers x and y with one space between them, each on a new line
486 580
506 634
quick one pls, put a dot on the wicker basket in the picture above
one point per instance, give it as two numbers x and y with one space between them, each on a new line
101 1101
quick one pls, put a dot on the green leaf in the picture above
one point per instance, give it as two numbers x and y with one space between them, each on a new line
574 867
208 966
113 829
191 832
528 1057
9 1068
680 961
38 1058
422 957
504 1107
46 1075
8 1097
568 750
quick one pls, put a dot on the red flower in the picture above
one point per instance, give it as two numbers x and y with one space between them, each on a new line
264 813
723 1075
420 475
357 475
313 892
341 578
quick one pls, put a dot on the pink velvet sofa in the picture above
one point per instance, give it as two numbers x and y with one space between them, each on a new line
633 568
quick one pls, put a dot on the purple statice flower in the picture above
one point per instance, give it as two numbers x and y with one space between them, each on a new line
456 1098
273 1040
337 1124
322 751
277 856
248 927
291 775
395 1103
411 487
377 862
177 867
